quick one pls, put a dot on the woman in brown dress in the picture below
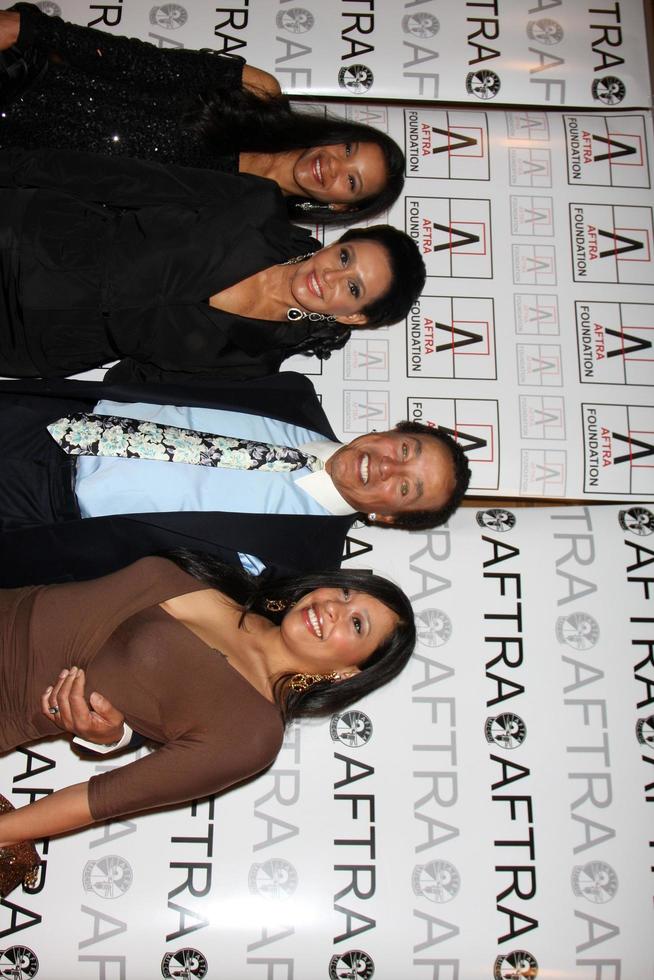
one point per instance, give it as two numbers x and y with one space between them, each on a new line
207 662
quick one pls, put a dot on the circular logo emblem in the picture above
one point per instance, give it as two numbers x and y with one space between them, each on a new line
496 519
356 78
484 84
638 520
297 20
517 965
275 878
353 728
184 964
434 627
108 877
420 25
608 90
353 965
170 16
596 881
506 730
645 730
439 881
49 7
18 963
579 630
545 31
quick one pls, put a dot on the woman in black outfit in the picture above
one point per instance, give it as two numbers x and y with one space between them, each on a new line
93 91
183 272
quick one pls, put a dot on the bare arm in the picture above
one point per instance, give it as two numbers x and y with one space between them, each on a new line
9 27
260 82
67 809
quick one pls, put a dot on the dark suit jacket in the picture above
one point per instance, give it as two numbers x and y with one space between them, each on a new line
86 548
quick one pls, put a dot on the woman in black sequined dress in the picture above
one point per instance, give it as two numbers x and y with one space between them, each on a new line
119 96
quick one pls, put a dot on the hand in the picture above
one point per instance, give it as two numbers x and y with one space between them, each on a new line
9 28
96 721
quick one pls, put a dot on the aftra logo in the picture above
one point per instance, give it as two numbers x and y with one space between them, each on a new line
356 78
274 879
185 963
496 519
170 16
108 877
18 963
595 881
352 965
637 520
297 20
438 881
433 627
507 730
517 965
352 728
578 630
484 84
421 25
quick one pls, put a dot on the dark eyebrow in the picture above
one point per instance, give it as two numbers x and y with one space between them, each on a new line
358 278
419 489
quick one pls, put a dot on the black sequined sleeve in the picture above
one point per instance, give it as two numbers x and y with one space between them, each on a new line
127 60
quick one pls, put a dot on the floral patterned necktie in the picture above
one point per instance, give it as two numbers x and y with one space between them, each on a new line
86 434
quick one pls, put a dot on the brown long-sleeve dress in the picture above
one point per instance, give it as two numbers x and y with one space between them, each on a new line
216 728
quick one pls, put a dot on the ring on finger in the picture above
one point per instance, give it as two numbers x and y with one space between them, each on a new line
54 710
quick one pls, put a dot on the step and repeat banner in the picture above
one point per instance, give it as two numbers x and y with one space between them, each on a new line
541 52
488 816
533 340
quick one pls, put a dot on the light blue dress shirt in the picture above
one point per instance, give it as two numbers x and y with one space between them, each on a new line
130 486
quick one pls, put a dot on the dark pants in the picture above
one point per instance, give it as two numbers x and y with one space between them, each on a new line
36 477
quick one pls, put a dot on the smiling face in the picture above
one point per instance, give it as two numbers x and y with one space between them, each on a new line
393 472
336 629
341 174
342 279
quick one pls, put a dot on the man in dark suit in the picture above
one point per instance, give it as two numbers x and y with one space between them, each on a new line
61 521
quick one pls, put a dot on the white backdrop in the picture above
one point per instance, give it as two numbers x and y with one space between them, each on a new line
496 798
541 52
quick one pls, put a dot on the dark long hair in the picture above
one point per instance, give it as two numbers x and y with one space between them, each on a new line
240 121
251 592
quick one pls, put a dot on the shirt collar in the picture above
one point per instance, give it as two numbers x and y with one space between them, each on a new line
320 485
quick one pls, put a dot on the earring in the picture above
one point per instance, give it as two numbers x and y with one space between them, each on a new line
372 517
302 682
294 314
275 605
298 258
313 207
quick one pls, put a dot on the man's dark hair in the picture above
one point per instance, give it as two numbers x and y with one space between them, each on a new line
422 520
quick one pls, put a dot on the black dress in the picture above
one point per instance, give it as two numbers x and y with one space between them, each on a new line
126 266
115 95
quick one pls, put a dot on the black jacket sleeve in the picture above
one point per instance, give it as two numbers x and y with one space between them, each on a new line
128 183
126 60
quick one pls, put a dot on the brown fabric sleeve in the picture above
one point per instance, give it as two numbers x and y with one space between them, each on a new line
187 769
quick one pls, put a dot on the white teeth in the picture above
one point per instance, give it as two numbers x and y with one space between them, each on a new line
364 468
319 170
315 622
316 285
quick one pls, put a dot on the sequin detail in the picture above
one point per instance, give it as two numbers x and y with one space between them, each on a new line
115 95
